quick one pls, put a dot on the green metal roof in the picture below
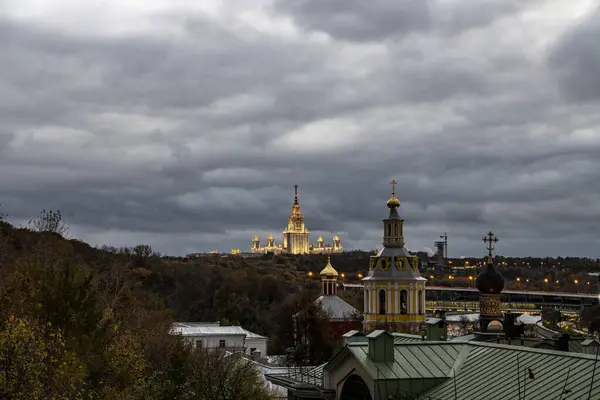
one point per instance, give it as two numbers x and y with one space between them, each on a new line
406 337
492 371
416 360
467 370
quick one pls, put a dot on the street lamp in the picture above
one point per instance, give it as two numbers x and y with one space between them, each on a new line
546 282
470 280
310 273
518 282
576 283
360 276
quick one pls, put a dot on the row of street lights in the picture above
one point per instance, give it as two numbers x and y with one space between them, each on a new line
471 279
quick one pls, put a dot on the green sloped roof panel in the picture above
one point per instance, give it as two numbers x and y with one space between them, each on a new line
419 360
493 372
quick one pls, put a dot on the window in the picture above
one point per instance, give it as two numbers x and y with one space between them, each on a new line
382 302
420 302
199 344
395 229
221 343
403 302
389 229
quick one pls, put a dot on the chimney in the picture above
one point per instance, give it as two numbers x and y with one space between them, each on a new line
381 346
522 340
436 329
352 337
562 342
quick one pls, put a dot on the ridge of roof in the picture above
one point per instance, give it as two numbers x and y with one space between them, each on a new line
569 354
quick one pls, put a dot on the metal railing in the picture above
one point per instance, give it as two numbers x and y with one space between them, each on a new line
308 375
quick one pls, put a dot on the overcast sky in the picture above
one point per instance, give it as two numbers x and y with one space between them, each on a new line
185 124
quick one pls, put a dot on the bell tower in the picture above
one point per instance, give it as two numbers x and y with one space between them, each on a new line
329 278
392 225
394 290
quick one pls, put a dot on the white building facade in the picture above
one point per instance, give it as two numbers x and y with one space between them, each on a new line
213 335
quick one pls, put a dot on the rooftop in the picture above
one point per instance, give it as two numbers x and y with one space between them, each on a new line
470 370
210 329
336 308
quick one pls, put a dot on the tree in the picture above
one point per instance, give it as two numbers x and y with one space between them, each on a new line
124 368
35 363
590 318
219 375
312 342
49 221
551 316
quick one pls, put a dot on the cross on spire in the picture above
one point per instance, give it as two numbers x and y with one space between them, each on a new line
393 182
490 241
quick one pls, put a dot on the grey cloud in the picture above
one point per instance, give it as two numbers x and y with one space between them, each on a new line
575 60
393 19
194 142
358 20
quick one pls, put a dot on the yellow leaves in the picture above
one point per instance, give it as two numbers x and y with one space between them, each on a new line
35 364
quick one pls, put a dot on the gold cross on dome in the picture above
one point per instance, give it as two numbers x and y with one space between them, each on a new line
393 182
490 240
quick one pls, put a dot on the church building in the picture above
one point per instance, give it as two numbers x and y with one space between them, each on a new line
394 290
296 238
341 315
490 284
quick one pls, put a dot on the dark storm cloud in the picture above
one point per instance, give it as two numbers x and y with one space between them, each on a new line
390 19
575 60
194 140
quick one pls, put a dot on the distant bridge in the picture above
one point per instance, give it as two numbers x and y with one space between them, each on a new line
529 301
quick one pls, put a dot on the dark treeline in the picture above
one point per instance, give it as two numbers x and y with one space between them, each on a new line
81 323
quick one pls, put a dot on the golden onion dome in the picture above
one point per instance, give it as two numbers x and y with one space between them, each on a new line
329 270
393 202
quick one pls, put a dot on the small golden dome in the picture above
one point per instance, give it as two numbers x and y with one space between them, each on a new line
393 202
329 270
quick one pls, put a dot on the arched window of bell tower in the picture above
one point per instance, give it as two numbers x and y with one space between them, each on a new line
382 302
403 302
